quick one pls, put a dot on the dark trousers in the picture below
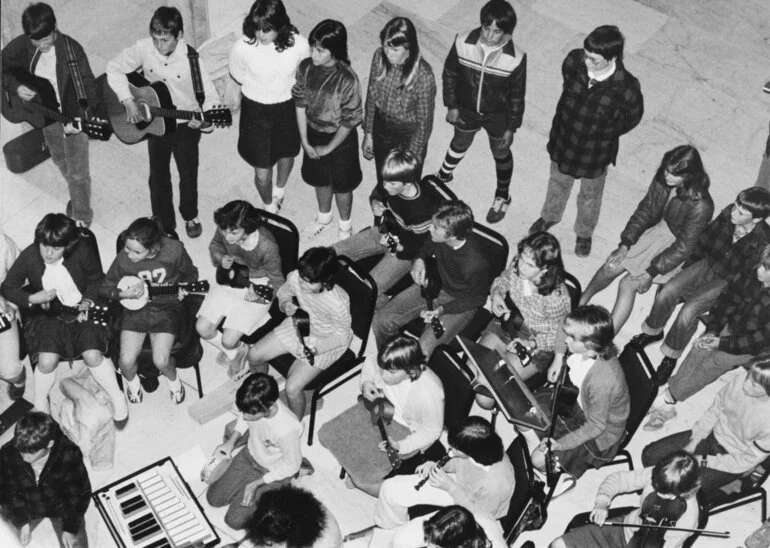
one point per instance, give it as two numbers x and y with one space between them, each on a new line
183 145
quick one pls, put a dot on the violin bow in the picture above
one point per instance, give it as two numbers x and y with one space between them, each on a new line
706 532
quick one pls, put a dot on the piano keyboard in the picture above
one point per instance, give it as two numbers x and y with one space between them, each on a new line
154 508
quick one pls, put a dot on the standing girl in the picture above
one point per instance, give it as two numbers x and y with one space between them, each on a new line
155 259
401 96
328 99
265 63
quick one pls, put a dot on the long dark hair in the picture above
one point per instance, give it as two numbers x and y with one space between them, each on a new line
685 161
400 31
270 15
547 254
332 35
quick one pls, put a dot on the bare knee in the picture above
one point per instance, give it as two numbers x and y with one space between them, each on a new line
47 364
557 543
205 328
231 339
93 358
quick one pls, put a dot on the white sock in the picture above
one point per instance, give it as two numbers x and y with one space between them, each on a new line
345 226
134 384
104 374
278 192
43 384
324 218
175 385
272 207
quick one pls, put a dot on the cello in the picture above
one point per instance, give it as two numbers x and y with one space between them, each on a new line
659 513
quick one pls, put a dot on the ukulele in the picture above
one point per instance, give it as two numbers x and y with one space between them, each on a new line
382 412
95 314
388 227
155 290
238 276
301 321
430 291
159 115
5 322
43 109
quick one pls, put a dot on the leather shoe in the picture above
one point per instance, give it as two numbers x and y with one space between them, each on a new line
541 225
666 367
643 339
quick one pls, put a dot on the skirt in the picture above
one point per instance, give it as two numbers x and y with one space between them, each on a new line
155 317
267 133
341 169
649 246
67 339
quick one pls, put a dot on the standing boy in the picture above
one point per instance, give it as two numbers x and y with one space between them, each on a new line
485 75
42 50
42 475
163 57
600 101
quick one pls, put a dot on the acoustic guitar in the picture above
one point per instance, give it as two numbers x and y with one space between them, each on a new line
301 321
382 411
154 290
159 115
43 109
430 292
238 276
388 228
95 314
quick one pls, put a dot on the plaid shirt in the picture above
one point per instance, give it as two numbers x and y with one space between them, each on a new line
744 309
412 104
589 122
543 314
728 258
63 489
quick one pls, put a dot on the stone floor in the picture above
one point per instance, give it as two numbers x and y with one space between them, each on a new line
701 66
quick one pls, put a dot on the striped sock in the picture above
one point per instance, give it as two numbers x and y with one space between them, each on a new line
452 158
504 168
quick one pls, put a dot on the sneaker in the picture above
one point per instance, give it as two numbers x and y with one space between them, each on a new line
498 209
446 180
541 225
172 234
178 396
134 397
583 246
659 416
344 234
193 228
666 367
761 537
643 339
314 229
278 202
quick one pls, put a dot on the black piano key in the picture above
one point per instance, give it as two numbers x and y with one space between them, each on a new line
154 528
140 522
125 489
160 543
130 502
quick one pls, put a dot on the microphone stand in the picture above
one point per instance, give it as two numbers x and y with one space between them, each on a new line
551 473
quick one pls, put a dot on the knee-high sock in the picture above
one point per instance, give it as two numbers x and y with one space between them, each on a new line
216 342
504 168
43 384
104 374
452 158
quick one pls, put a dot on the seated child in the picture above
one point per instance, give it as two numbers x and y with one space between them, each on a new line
464 275
411 203
733 436
154 258
328 307
292 517
591 434
11 369
535 283
675 476
42 475
455 527
55 281
241 239
479 476
271 457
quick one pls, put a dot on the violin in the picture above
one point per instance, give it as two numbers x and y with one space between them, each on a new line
659 513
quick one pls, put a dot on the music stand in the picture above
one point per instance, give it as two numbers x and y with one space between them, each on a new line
511 394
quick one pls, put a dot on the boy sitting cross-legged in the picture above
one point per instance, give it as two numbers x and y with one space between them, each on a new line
272 455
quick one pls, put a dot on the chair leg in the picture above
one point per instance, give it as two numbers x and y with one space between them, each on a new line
764 506
198 379
311 424
343 473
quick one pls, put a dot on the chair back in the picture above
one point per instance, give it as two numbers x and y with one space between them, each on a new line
494 247
574 288
286 236
456 378
523 491
441 188
363 296
640 378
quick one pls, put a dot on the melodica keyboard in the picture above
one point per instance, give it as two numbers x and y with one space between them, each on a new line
154 508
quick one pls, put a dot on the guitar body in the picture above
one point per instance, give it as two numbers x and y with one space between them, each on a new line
138 303
147 96
15 110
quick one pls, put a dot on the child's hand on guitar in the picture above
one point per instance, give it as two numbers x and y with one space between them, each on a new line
183 293
378 208
428 315
25 93
70 129
133 292
227 261
439 478
133 115
8 309
370 391
393 443
253 297
44 296
499 308
290 308
424 469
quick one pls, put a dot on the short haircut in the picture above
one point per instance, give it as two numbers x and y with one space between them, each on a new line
764 257
755 200
476 438
596 330
34 432
166 20
57 230
400 31
401 165
238 214
257 394
38 21
401 353
456 217
332 35
145 230
547 254
759 371
318 264
499 12
676 474
288 515
684 161
606 41
266 16
454 527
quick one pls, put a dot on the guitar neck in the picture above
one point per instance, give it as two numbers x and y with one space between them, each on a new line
50 113
174 113
383 432
170 289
